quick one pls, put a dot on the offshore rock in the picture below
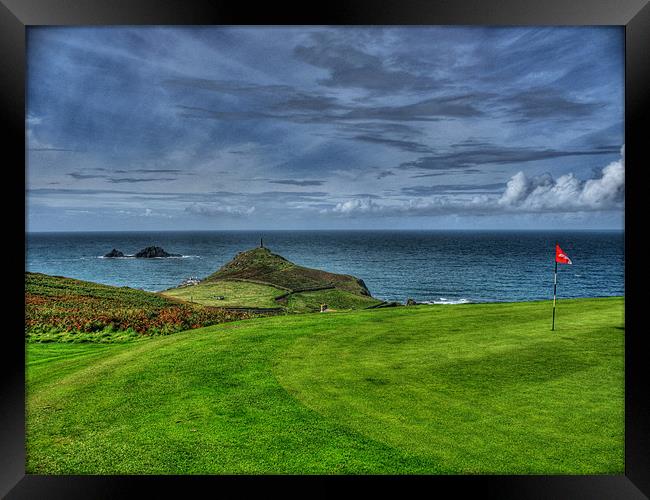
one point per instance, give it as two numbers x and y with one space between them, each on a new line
114 253
154 252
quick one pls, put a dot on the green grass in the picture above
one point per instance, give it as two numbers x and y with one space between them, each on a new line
482 388
235 293
339 300
247 294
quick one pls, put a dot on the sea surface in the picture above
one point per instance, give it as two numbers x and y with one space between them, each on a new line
447 267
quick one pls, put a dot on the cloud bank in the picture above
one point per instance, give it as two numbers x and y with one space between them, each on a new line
567 193
522 194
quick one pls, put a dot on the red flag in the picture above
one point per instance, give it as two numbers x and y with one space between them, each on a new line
560 256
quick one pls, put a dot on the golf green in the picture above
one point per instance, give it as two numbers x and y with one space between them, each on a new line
477 388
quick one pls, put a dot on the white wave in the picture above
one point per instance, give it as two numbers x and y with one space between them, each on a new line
444 300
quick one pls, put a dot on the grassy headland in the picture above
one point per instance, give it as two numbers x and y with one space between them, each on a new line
262 265
260 278
479 388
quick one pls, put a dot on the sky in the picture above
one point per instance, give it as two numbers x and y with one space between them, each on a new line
208 128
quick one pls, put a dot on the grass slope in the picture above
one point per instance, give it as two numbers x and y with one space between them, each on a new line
338 300
480 388
65 309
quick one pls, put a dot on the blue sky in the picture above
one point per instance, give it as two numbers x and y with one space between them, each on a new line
154 128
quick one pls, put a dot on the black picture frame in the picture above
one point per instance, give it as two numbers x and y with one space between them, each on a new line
15 15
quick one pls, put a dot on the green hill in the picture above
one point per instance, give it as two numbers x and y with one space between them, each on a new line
466 389
66 309
264 266
259 278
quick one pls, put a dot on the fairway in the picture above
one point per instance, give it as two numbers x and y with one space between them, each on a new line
477 388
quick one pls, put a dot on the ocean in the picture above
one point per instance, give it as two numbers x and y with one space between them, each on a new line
446 267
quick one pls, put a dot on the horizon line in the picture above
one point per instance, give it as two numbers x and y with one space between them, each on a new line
328 230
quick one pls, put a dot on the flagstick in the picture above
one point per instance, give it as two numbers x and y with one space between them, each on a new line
554 294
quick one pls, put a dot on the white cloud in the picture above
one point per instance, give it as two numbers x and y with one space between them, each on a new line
567 193
212 210
33 120
440 205
357 206
147 213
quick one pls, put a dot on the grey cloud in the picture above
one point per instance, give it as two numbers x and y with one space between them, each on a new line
284 196
250 198
151 171
78 192
360 195
133 180
363 195
299 183
397 135
302 107
79 176
349 66
157 194
492 155
385 173
227 86
453 188
472 143
278 196
457 106
309 102
119 180
274 97
547 103
447 172
53 149
605 138
198 112
383 128
410 146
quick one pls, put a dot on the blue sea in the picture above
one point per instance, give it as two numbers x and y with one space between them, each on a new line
447 267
